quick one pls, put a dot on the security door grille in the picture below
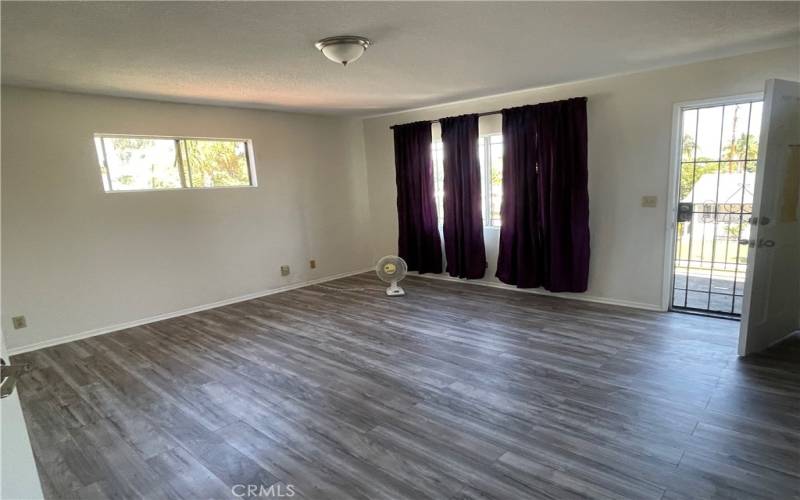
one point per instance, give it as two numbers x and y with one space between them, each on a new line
719 147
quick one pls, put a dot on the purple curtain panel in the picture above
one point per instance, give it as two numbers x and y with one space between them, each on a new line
418 243
544 239
521 245
463 222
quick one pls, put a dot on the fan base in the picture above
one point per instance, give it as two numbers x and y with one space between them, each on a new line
395 291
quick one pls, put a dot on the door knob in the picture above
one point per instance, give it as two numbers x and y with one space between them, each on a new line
755 221
761 243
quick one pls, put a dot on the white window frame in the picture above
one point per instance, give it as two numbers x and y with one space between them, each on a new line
250 153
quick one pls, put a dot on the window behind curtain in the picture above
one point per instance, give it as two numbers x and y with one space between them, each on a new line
490 152
136 163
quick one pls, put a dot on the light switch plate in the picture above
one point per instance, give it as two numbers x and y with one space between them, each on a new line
649 201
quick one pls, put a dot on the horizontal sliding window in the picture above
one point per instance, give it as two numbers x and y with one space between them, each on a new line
136 163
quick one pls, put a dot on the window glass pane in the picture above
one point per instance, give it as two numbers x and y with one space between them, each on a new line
699 182
697 300
496 178
129 163
484 185
438 178
722 280
141 163
720 303
749 184
678 297
98 144
755 130
709 128
734 131
689 139
213 163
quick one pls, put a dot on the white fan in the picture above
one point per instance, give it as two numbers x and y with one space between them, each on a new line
392 269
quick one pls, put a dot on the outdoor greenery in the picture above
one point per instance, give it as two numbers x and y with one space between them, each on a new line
154 163
216 163
744 147
141 163
725 252
711 238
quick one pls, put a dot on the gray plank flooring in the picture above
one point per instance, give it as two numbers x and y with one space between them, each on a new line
454 391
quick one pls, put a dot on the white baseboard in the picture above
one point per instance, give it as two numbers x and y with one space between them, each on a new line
182 312
264 293
539 291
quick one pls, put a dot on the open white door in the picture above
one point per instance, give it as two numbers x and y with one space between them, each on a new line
771 307
19 478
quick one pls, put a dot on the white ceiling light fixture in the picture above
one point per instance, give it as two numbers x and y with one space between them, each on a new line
343 49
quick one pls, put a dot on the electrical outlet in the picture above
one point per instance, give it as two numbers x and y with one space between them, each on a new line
649 201
19 322
284 270
312 264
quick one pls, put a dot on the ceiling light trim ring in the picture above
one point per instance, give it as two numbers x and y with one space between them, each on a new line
346 39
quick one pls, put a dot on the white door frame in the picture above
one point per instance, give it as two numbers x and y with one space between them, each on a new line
674 170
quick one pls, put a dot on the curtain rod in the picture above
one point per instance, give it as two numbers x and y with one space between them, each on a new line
487 113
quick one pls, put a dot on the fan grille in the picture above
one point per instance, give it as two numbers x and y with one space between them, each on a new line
391 268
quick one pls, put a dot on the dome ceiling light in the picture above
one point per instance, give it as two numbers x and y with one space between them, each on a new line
343 49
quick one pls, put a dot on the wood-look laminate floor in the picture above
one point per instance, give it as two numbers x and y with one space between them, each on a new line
454 391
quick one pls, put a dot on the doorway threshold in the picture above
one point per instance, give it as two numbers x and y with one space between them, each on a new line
709 314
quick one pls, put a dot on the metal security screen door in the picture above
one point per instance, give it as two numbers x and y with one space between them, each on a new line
718 152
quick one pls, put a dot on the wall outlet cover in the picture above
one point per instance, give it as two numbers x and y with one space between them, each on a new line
19 322
284 270
312 264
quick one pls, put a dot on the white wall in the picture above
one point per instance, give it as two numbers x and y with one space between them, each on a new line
76 259
630 126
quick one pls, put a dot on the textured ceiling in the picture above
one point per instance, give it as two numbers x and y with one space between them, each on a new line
258 54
